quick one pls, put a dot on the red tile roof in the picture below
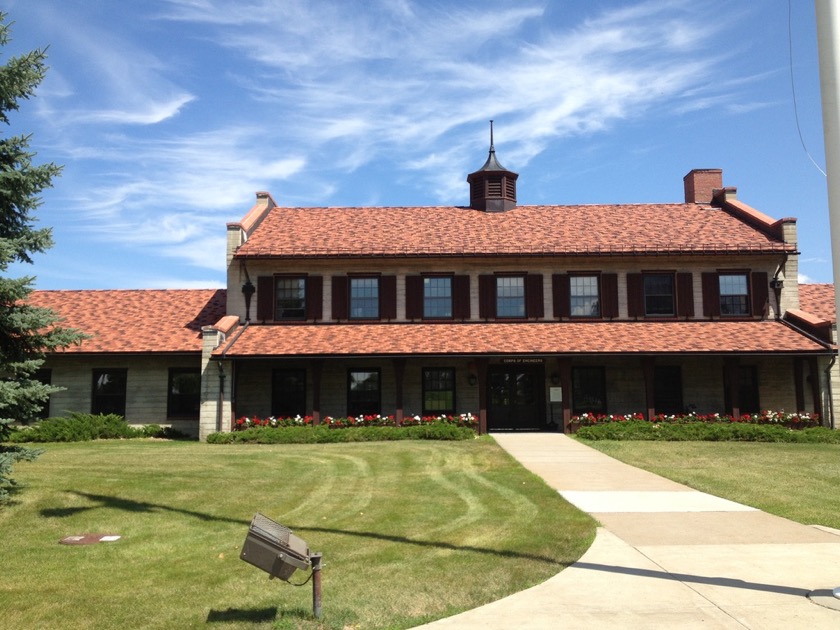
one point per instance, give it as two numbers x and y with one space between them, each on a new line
818 299
525 230
519 338
140 321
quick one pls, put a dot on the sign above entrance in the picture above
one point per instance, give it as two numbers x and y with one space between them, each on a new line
523 360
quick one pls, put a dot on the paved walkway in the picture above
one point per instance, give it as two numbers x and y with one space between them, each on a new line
666 556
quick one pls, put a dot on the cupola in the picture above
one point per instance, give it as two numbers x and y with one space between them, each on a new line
492 187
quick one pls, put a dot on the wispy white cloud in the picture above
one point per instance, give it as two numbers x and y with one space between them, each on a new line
307 90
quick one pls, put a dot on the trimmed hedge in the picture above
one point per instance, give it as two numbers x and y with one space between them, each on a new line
323 434
82 427
703 431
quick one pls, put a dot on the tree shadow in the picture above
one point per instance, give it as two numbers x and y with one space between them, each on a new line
695 579
252 615
141 507
129 505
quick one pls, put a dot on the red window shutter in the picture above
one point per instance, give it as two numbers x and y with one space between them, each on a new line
314 297
711 294
340 295
487 297
534 301
461 297
635 295
388 297
560 295
685 295
265 298
760 294
414 297
609 295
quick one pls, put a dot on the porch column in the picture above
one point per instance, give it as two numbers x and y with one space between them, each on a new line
399 377
317 373
481 368
731 373
814 375
648 371
565 369
798 377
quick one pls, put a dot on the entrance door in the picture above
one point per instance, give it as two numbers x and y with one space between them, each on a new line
516 398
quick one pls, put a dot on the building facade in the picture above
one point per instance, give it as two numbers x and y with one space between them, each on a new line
521 315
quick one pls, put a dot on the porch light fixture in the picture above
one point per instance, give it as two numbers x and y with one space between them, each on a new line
776 284
472 380
555 378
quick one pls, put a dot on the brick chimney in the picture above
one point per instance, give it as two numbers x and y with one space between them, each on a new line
701 183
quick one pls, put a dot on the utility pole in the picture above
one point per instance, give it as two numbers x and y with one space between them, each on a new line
828 28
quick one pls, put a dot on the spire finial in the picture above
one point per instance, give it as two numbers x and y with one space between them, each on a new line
491 136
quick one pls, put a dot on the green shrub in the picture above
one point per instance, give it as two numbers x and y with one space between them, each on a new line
81 427
323 434
703 431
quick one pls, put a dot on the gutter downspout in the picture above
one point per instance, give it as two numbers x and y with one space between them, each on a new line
221 398
828 389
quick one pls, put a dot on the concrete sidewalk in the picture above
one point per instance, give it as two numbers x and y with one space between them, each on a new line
666 556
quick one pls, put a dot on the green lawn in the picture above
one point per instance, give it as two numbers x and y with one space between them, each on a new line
410 532
797 481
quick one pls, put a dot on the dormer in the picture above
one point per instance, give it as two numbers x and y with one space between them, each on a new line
492 187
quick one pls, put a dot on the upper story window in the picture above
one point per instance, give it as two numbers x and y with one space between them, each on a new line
364 298
437 297
658 294
290 296
734 295
584 296
510 296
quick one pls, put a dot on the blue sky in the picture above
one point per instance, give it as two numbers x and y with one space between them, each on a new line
168 115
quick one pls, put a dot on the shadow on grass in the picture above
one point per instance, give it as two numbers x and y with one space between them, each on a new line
252 615
128 505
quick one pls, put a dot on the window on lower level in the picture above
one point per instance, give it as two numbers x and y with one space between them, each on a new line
668 389
589 390
109 391
288 393
184 393
364 392
438 391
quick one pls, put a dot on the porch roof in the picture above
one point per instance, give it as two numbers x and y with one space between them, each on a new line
581 338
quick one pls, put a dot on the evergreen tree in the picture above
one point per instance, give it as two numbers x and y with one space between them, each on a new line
26 332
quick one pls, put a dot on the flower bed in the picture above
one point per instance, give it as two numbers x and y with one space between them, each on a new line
460 420
777 418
